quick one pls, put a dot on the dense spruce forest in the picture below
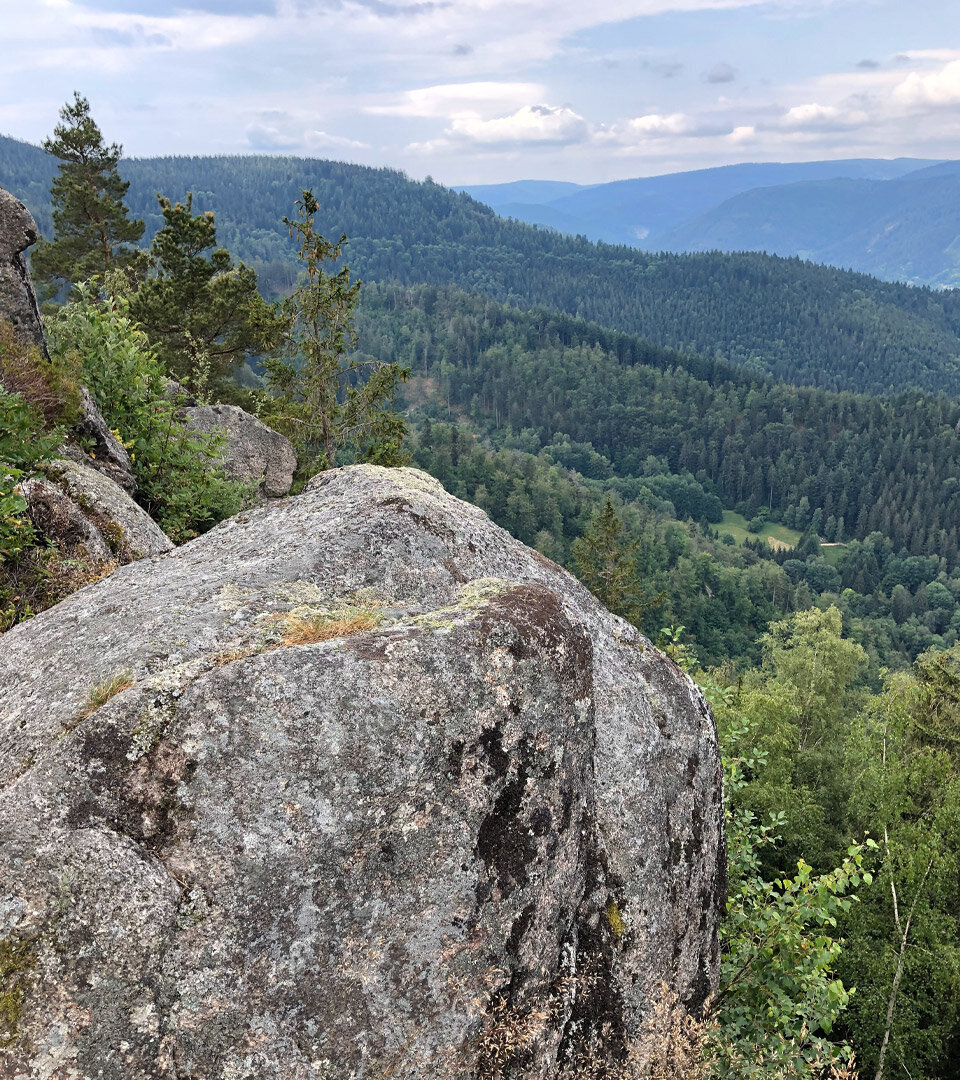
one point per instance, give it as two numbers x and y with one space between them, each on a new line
800 322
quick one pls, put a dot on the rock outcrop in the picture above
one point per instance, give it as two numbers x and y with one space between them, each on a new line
18 301
353 786
18 306
76 505
253 453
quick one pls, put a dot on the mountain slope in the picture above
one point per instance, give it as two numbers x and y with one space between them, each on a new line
906 229
803 323
639 211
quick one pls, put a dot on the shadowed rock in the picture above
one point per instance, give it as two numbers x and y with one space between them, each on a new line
354 785
18 302
75 504
18 306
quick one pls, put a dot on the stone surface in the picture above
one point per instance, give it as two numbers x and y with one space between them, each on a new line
18 302
107 454
253 452
90 517
494 808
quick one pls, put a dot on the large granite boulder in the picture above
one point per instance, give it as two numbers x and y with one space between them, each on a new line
253 453
353 786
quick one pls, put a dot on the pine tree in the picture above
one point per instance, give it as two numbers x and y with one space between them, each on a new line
200 309
606 562
331 404
93 232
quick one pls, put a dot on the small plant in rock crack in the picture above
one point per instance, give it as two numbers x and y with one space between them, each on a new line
101 693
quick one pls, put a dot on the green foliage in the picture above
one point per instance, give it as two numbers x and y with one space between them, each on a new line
905 939
17 961
180 481
23 444
605 561
779 996
93 233
199 308
330 404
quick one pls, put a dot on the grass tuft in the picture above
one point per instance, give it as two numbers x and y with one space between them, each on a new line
311 629
101 693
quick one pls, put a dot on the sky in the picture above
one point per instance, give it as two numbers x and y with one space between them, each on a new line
488 91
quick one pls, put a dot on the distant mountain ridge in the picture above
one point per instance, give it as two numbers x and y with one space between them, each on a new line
805 324
898 219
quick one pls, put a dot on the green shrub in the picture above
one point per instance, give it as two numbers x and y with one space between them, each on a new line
180 479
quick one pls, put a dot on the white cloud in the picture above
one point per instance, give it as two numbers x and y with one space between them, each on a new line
322 140
816 117
529 124
939 88
472 99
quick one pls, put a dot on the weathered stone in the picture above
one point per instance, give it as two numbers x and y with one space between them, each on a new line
18 302
484 805
177 394
59 519
128 528
18 306
253 452
108 455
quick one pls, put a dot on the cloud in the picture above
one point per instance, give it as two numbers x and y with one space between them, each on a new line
659 126
322 140
939 88
539 124
474 99
868 65
720 73
815 117
267 137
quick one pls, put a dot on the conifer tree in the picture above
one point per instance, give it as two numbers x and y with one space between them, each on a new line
330 403
605 560
201 310
92 230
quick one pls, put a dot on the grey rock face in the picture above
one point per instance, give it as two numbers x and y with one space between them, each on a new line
125 530
480 823
253 452
18 302
109 456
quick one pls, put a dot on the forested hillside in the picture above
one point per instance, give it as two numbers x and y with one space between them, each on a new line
900 230
543 416
799 322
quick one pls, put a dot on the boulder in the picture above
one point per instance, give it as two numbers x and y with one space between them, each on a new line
253 453
354 785
89 517
18 301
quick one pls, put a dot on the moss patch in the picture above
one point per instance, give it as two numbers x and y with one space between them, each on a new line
17 961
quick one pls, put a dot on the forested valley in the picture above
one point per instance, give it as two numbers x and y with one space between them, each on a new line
754 460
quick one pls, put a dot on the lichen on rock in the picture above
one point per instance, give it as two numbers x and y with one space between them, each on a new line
447 835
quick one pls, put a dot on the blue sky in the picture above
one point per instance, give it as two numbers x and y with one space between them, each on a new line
473 91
